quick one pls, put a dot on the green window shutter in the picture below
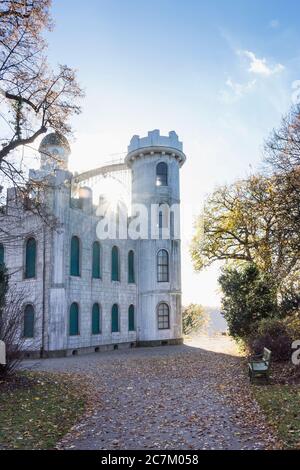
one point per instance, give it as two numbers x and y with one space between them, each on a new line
28 322
131 279
74 320
115 264
96 330
115 319
75 257
96 272
1 254
30 258
131 322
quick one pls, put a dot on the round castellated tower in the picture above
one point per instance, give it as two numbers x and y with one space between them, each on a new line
155 162
55 151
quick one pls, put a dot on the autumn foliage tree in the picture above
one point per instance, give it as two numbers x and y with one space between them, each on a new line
282 148
254 221
253 226
193 318
33 97
282 155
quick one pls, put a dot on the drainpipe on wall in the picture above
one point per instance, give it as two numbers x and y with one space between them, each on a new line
44 295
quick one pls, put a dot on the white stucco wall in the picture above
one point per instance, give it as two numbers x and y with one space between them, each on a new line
53 290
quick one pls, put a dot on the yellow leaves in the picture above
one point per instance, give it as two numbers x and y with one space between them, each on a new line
248 221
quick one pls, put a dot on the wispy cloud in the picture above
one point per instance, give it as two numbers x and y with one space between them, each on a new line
274 24
258 68
240 89
236 90
261 66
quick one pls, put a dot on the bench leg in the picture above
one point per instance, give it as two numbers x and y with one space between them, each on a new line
267 378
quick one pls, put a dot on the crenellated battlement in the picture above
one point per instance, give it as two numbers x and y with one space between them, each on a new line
154 139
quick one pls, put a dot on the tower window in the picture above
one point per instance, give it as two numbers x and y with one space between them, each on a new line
1 253
131 319
162 174
115 268
115 328
131 277
96 268
74 320
28 331
75 257
30 258
96 320
163 266
163 316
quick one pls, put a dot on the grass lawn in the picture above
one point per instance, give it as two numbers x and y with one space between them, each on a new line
281 404
37 409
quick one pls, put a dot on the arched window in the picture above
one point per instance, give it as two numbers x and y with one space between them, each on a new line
115 319
162 174
131 276
96 320
115 268
74 320
163 316
28 331
96 268
30 258
163 266
131 319
75 257
1 253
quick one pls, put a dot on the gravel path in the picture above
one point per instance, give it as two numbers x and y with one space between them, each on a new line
172 397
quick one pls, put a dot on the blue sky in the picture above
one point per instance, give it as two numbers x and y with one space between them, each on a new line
218 72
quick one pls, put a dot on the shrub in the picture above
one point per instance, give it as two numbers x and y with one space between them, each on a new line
293 326
3 286
11 322
272 326
272 334
248 297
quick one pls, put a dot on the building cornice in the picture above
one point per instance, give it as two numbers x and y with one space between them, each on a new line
154 150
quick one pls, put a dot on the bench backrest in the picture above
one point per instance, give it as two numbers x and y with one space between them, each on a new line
267 355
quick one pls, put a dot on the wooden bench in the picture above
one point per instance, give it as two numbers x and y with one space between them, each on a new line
259 366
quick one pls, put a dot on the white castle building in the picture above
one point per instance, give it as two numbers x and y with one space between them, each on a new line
81 293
